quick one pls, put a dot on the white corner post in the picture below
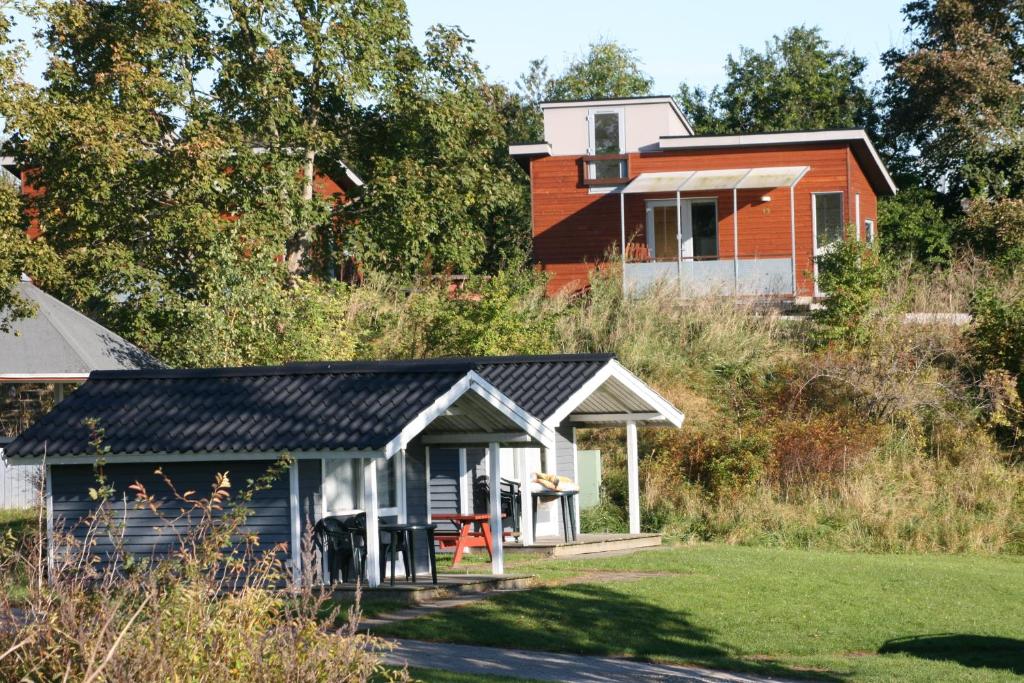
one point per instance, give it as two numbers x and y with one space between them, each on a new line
372 508
735 241
633 476
497 533
526 519
679 242
296 521
622 226
792 235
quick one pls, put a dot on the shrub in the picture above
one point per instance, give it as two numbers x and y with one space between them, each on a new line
996 229
854 279
212 610
915 227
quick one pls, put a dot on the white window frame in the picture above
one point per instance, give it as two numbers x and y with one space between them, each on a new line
687 220
591 120
399 511
814 213
620 112
869 230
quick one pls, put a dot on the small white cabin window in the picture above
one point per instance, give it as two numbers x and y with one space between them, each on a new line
869 229
606 163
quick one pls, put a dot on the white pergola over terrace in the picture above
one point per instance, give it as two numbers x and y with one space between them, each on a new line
716 180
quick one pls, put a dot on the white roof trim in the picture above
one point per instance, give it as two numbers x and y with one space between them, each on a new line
614 369
530 149
475 383
205 456
710 141
623 101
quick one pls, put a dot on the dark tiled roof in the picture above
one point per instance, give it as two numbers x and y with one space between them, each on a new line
305 406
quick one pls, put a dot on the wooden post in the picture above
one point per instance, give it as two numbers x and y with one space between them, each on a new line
372 508
735 242
633 475
497 534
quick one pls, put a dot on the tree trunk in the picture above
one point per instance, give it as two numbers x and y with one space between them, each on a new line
302 240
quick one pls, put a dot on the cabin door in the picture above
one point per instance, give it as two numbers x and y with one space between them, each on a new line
827 221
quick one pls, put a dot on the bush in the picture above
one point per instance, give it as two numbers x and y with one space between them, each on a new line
212 610
996 229
915 227
854 279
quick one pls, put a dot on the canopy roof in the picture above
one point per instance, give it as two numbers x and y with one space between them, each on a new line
717 179
373 407
59 344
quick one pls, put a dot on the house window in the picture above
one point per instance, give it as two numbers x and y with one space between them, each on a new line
606 163
343 486
704 218
869 230
828 218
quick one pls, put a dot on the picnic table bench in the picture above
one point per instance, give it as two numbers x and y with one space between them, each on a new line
471 531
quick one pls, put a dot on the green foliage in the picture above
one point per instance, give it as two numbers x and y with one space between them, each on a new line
915 227
997 340
954 102
799 82
607 70
854 278
996 229
494 316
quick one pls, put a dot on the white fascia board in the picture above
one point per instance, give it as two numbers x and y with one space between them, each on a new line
475 383
161 458
614 369
711 141
530 149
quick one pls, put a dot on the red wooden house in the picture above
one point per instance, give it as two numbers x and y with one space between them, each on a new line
743 214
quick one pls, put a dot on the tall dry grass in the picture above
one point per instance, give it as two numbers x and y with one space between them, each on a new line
217 607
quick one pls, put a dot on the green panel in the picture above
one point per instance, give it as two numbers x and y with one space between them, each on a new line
589 463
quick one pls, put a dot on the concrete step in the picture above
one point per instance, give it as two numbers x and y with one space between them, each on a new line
589 544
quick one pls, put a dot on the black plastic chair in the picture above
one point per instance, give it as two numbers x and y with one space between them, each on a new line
342 540
511 499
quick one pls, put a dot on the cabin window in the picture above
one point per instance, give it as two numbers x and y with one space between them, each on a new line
343 486
828 218
606 162
869 230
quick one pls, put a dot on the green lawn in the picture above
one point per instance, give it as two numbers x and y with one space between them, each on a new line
784 612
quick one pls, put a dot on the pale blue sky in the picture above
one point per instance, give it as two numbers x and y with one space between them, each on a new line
676 40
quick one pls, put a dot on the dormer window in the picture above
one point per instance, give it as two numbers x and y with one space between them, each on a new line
607 162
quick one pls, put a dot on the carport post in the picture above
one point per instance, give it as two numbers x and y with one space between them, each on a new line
497 532
633 475
370 505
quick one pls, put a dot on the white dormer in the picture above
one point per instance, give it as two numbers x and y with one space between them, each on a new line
599 127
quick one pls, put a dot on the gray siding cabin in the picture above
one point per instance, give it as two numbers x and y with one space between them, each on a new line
399 440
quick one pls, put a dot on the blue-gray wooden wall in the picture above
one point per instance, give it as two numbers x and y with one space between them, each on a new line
145 533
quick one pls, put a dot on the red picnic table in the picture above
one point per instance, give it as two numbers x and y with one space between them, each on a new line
465 535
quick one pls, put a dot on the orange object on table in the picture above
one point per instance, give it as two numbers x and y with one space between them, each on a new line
467 536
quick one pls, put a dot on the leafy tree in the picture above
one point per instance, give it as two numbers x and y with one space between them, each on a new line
996 229
798 82
607 70
915 227
292 74
954 97
442 193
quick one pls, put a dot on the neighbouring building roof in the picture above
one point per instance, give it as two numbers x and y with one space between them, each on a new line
351 406
60 344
